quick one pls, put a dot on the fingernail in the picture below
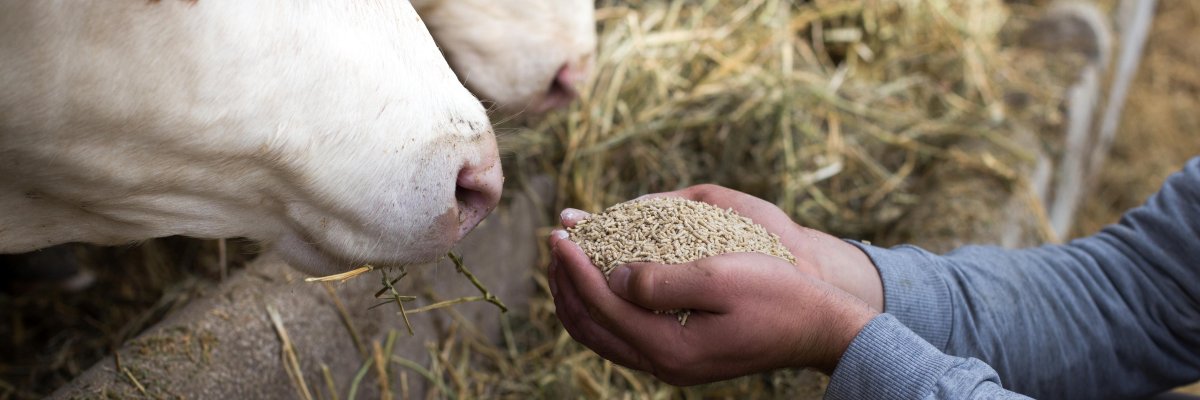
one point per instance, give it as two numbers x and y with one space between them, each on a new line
618 280
572 214
559 234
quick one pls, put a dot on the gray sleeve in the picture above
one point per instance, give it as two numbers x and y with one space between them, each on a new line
1114 315
888 361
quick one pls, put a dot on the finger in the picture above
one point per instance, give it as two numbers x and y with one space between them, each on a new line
642 329
557 236
571 216
551 272
708 284
574 317
667 286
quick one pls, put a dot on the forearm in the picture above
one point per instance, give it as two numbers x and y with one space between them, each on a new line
888 361
1116 314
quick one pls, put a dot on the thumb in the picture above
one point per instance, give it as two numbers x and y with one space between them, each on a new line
696 285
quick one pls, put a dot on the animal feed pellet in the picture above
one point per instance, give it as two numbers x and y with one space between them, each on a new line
670 230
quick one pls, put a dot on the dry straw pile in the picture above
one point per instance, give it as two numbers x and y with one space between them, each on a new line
832 109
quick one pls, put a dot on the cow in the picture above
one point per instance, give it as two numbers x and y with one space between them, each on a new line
335 130
522 56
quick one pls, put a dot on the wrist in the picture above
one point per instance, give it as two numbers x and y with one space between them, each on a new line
849 318
854 272
843 265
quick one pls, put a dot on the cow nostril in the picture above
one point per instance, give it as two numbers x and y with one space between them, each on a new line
469 202
477 192
562 91
564 83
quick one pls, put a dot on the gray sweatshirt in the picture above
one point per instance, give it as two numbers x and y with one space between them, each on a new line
1114 315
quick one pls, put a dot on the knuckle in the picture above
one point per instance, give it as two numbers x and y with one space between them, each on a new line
595 314
641 285
704 190
709 267
712 276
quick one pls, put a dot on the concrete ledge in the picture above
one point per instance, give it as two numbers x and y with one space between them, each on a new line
224 346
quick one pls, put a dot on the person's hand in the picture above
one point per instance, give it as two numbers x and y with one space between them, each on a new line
751 313
827 257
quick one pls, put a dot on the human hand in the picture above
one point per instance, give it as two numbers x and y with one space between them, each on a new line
750 313
818 254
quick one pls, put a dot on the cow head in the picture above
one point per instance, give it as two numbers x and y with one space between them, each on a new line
523 55
333 129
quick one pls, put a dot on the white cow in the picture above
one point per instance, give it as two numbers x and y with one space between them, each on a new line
332 128
525 56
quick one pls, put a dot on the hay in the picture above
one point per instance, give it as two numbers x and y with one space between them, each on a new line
830 109
341 277
291 362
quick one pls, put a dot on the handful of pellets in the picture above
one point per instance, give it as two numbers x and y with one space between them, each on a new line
670 230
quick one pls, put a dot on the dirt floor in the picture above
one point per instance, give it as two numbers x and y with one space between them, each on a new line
1161 126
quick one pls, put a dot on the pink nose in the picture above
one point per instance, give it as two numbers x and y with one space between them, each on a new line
477 191
564 87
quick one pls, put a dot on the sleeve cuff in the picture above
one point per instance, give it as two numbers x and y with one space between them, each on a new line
912 290
887 361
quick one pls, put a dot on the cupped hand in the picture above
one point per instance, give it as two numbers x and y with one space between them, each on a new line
819 254
751 313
